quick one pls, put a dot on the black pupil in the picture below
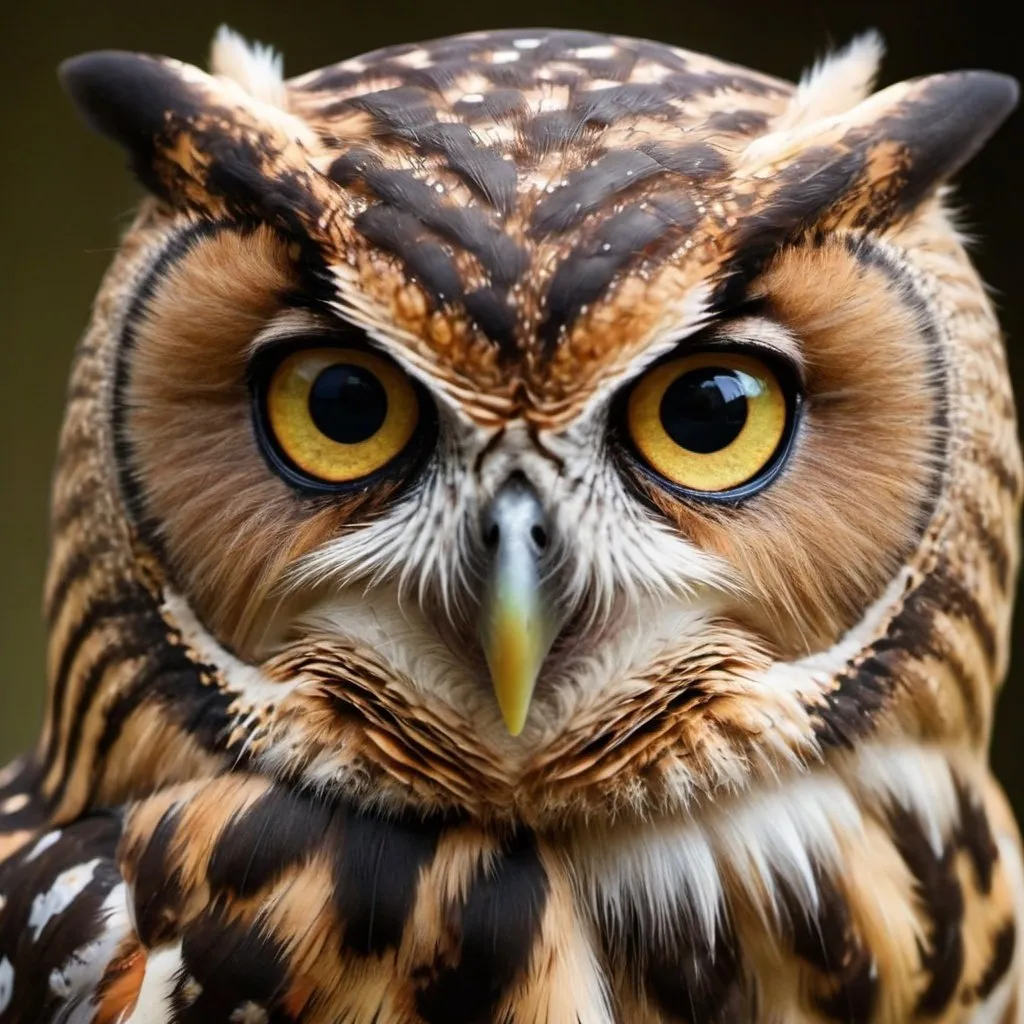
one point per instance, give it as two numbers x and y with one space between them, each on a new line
704 410
348 403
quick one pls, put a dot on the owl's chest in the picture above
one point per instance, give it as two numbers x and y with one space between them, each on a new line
889 891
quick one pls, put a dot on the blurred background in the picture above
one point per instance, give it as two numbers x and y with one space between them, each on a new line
65 197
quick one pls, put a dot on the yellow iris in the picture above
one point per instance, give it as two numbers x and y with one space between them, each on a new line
708 422
340 414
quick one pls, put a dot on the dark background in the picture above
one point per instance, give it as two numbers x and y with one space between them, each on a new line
65 197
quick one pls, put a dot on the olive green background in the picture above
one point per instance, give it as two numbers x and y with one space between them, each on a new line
64 198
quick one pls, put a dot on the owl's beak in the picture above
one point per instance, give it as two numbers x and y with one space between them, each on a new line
517 625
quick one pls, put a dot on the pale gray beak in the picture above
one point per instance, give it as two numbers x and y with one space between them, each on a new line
517 624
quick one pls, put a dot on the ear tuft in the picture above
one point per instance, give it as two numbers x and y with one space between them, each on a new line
128 98
258 69
836 83
943 124
878 161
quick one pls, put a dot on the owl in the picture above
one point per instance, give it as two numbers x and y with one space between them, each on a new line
533 542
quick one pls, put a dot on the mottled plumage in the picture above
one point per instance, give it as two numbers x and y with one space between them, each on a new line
516 724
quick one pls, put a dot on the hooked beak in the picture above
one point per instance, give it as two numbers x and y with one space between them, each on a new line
517 623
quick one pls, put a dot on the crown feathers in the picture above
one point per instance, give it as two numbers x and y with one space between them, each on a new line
214 142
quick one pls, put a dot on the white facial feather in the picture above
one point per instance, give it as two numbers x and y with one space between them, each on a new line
389 583
611 548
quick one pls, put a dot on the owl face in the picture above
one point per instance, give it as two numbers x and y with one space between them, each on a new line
532 423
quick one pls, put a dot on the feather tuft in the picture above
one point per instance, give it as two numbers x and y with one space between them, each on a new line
257 68
836 83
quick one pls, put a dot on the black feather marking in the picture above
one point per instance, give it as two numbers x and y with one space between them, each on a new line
807 189
494 315
403 235
697 161
635 229
234 962
694 982
941 899
497 926
405 108
377 869
589 189
435 78
828 941
158 892
1003 948
498 253
606 106
86 558
586 274
974 834
176 248
579 280
740 122
402 190
277 831
551 131
352 166
406 199
496 105
483 169
124 649
94 617
520 75
848 711
186 689
285 201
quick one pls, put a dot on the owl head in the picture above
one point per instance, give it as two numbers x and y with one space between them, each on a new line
529 423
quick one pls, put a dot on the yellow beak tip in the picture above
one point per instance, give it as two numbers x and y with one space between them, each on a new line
514 655
515 723
514 703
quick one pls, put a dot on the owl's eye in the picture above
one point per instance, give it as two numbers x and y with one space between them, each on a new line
338 415
710 422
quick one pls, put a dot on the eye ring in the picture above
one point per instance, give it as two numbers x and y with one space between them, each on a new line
335 417
716 424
